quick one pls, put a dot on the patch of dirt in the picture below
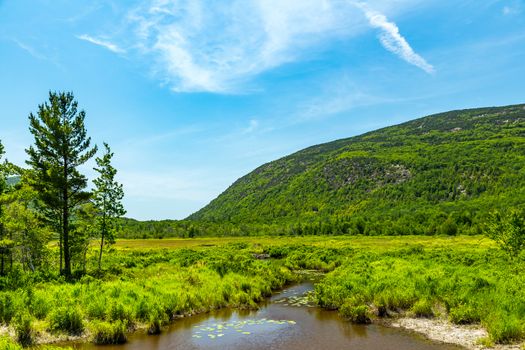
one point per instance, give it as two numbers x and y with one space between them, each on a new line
443 331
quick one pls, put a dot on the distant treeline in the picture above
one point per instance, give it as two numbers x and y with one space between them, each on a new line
429 223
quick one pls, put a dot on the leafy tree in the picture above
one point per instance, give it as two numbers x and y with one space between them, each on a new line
508 231
61 146
6 244
83 228
107 198
28 235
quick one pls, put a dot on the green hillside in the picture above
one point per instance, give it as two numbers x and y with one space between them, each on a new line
438 174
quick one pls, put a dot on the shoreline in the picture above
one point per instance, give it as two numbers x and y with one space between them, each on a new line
437 329
443 331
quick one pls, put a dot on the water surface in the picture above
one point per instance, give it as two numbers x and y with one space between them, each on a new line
286 321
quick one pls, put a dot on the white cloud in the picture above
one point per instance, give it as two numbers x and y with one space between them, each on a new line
105 44
392 40
221 46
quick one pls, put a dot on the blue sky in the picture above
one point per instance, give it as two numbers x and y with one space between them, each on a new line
193 94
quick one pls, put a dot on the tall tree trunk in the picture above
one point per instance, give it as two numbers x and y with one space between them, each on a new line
100 254
60 235
65 224
102 234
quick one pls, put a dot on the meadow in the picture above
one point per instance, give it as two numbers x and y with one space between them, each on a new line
145 284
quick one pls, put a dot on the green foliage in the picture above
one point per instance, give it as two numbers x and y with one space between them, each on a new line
440 174
7 344
422 308
25 334
359 314
464 314
108 332
66 319
158 286
508 231
475 286
61 146
24 227
107 198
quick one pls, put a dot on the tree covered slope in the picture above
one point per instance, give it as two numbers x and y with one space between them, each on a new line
437 174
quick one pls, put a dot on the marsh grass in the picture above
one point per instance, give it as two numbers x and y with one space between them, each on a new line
108 332
147 284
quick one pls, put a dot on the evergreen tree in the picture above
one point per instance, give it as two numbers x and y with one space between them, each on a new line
6 244
108 200
61 146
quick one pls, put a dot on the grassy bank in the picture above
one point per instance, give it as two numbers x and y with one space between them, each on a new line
466 287
148 283
144 289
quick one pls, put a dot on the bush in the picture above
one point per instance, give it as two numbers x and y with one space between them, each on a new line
119 312
39 307
504 329
7 344
508 231
355 313
464 314
25 334
156 320
66 319
423 308
109 333
8 307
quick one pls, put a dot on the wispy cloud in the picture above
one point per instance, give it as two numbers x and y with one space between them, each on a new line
31 50
392 39
336 96
104 43
253 126
512 9
220 47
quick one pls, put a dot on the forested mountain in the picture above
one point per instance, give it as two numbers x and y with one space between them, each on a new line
438 174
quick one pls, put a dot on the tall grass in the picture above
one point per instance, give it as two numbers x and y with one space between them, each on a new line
153 290
464 279
473 287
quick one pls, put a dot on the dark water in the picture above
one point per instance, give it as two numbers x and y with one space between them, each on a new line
286 321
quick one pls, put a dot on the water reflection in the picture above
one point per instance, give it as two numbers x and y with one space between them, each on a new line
285 322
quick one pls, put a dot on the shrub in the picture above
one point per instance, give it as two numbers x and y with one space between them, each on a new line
25 334
7 344
423 308
39 307
508 231
7 307
96 309
66 319
109 333
117 311
464 314
157 319
355 313
505 329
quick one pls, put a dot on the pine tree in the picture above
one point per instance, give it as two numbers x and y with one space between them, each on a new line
5 243
61 146
108 196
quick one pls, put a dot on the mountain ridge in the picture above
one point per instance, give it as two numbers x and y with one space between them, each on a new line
433 166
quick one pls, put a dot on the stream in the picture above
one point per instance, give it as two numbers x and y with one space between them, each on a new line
287 320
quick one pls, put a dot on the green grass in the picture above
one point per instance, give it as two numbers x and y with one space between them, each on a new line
147 283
